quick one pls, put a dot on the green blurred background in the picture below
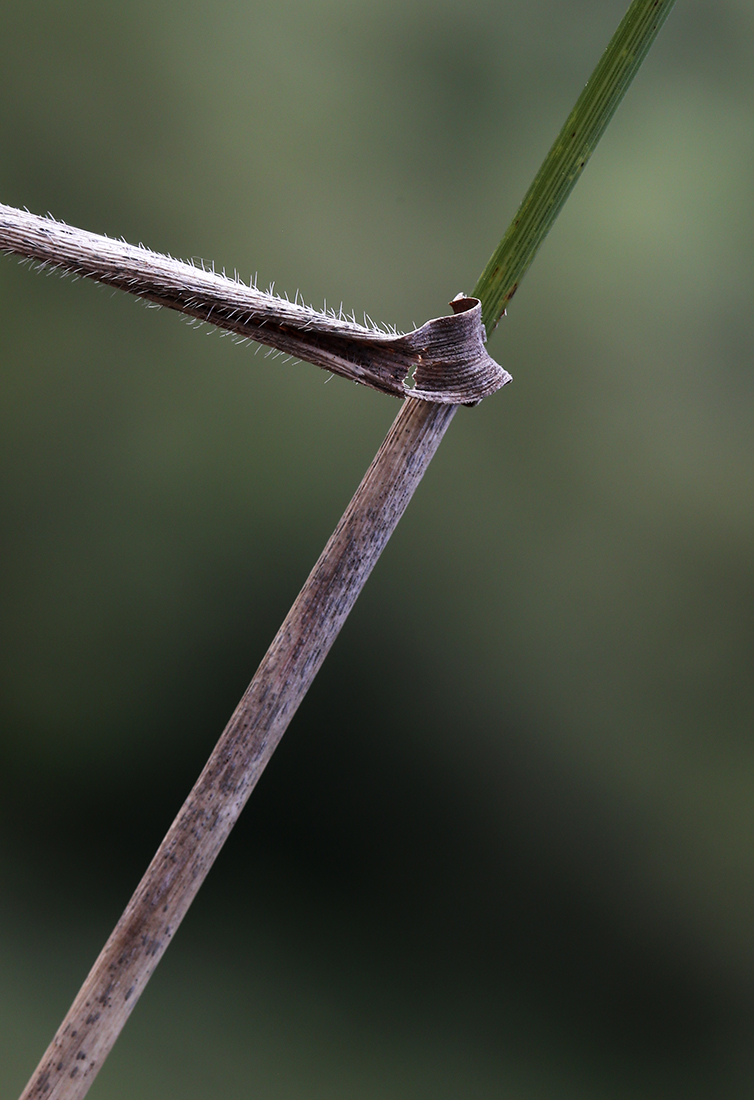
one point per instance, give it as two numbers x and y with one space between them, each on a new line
506 848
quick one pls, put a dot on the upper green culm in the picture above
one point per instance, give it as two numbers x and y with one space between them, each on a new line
568 156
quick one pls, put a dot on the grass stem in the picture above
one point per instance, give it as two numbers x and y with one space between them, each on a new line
174 876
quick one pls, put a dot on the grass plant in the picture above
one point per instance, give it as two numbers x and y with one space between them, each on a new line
122 970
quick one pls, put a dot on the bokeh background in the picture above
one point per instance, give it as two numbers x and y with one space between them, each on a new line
506 848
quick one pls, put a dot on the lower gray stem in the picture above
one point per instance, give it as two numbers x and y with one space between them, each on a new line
121 972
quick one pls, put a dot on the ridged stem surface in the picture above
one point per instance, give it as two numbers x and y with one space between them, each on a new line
193 842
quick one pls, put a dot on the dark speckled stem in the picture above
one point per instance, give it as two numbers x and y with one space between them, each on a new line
195 838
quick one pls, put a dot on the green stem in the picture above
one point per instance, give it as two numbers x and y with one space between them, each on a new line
566 160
